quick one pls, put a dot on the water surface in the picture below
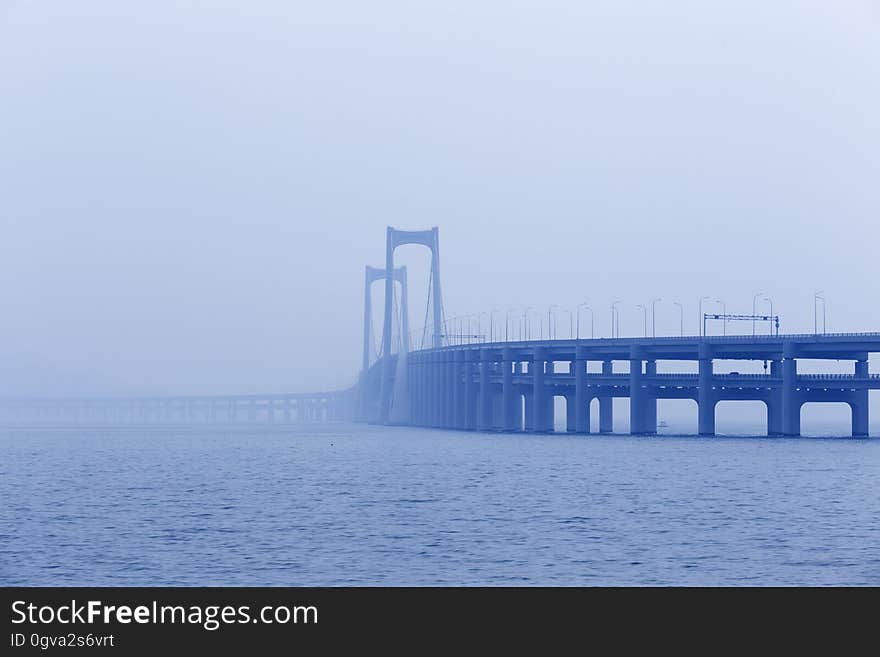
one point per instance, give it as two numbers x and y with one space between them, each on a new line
349 504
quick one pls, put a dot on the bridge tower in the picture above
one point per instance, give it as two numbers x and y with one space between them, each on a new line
371 275
394 238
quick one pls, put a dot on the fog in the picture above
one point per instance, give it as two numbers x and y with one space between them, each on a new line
189 191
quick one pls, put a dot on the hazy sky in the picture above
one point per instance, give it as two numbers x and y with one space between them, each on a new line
189 190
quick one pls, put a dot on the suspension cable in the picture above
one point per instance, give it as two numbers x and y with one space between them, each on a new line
427 306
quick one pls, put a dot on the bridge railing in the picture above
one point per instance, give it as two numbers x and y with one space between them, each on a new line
480 340
837 377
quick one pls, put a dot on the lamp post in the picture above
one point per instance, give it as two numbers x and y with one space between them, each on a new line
654 317
570 322
645 310
754 310
817 296
480 324
528 332
507 324
550 314
492 324
680 316
614 316
592 333
702 319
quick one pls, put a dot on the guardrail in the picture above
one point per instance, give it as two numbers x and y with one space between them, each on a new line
838 377
674 339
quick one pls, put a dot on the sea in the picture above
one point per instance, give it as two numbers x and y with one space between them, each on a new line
341 504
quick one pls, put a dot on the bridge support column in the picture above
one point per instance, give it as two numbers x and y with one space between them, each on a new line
416 389
791 404
860 414
860 419
449 407
442 397
507 391
497 409
459 420
606 403
436 389
581 403
484 411
543 421
774 415
570 414
413 382
528 413
637 401
774 402
471 356
650 399
426 390
415 386
705 394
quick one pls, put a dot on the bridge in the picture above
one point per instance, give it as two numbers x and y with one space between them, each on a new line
461 380
511 386
276 408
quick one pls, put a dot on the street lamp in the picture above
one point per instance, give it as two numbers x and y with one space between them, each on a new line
480 324
817 297
528 331
492 324
474 335
450 337
754 311
584 305
645 310
703 319
507 323
570 322
614 315
680 316
550 314
654 317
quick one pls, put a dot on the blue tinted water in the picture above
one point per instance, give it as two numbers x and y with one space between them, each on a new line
349 504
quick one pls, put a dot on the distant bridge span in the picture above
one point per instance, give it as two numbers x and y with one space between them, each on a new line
275 408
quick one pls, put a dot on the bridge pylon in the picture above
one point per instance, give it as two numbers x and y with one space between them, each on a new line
394 238
372 275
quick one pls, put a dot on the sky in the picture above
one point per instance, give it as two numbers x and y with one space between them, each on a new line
189 191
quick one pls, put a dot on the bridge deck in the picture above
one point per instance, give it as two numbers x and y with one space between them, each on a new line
760 347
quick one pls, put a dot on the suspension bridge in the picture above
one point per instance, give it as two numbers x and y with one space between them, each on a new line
454 378
462 381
